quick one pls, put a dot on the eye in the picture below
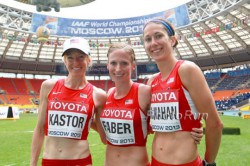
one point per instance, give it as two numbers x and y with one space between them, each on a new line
147 39
81 56
112 63
69 57
124 63
158 36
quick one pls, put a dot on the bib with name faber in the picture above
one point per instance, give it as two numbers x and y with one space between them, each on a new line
123 121
118 124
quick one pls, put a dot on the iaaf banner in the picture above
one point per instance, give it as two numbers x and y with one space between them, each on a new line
107 28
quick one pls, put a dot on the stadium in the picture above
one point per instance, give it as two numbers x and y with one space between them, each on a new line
214 34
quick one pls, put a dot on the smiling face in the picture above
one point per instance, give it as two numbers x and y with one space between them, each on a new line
76 62
120 64
158 44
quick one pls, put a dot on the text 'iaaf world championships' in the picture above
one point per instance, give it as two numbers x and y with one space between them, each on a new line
105 24
107 28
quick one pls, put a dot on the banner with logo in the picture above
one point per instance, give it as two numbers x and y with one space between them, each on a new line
9 112
107 27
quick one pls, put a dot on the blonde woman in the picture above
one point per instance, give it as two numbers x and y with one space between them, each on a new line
66 110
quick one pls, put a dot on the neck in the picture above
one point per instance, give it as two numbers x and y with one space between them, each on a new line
75 82
122 89
165 67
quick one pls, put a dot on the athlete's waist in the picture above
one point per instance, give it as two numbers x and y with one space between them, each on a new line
178 136
141 143
175 145
139 151
127 148
64 148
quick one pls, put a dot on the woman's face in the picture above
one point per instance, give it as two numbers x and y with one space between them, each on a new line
157 43
76 62
120 65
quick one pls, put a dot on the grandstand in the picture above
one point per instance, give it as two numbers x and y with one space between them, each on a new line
216 37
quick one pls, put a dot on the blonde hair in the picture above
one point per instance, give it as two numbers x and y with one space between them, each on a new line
128 48
68 52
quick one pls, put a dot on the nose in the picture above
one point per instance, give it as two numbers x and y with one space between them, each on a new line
77 60
153 41
118 67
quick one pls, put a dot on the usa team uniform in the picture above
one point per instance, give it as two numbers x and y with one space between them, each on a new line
172 108
123 121
69 115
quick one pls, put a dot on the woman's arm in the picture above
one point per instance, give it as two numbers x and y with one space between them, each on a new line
38 136
195 82
99 99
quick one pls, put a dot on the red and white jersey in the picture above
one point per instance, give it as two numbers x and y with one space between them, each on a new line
123 121
69 111
172 108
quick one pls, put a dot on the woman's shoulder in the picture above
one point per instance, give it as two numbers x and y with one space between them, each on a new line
110 90
144 87
152 78
189 73
49 83
144 91
99 91
188 65
99 97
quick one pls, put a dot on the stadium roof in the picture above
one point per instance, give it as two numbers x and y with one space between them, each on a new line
217 36
102 9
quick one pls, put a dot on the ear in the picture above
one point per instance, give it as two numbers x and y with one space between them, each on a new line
173 41
89 61
63 59
133 66
108 66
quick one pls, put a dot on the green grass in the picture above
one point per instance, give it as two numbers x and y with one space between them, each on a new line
234 149
15 140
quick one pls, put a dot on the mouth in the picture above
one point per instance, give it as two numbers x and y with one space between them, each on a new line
156 50
118 75
76 69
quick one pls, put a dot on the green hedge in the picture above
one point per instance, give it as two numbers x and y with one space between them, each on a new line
229 131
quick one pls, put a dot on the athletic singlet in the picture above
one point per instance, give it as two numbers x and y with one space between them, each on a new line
172 108
69 111
123 121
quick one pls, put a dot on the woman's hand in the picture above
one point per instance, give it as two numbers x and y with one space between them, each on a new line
197 134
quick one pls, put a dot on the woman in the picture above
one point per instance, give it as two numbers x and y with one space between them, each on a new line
124 116
66 110
180 97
